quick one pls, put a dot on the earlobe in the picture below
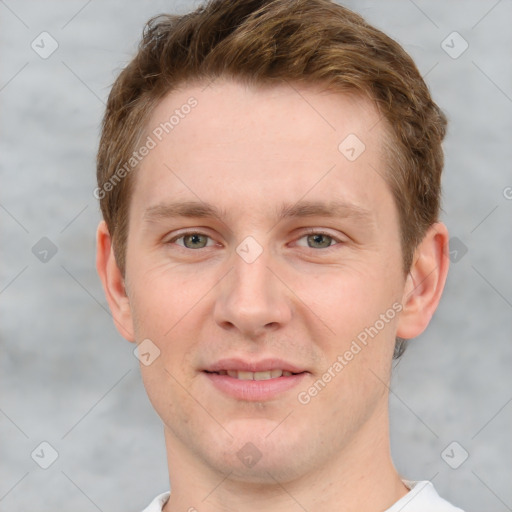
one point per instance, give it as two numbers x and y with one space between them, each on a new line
425 282
113 283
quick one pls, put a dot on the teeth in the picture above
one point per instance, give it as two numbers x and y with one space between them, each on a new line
243 375
264 375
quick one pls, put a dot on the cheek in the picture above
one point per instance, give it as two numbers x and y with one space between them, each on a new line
160 299
165 309
361 310
347 300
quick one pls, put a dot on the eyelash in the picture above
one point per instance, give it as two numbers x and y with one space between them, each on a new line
310 231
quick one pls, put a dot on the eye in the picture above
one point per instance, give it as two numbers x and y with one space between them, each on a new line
192 240
196 240
319 240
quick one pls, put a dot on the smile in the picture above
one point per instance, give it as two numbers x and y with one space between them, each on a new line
264 375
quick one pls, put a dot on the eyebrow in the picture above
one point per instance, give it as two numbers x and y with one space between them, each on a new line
198 209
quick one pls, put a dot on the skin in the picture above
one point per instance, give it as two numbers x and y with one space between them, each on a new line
304 299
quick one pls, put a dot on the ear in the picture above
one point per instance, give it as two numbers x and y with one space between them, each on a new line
113 283
425 282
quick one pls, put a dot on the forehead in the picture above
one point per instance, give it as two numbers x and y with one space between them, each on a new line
261 142
289 111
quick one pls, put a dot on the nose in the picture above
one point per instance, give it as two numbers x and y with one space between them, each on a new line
252 299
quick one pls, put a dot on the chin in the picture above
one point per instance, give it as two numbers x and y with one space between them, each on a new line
265 472
258 455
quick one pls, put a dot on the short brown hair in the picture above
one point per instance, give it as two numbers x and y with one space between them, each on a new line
265 42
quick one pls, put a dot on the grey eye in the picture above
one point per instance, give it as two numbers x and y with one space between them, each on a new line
194 240
319 240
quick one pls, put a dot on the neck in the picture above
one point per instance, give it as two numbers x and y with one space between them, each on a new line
360 477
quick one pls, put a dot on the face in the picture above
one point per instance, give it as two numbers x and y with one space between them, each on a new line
263 238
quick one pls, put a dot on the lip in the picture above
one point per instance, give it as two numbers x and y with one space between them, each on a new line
254 366
254 390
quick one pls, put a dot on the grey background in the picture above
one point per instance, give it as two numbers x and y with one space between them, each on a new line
66 375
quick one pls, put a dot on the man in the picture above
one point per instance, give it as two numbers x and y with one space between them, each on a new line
269 177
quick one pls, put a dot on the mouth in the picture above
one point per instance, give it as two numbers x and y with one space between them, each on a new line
254 381
262 375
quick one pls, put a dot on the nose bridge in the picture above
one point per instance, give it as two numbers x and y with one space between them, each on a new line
251 297
252 279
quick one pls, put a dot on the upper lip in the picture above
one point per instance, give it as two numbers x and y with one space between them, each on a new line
254 366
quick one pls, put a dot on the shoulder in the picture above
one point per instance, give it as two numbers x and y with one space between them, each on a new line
157 504
422 497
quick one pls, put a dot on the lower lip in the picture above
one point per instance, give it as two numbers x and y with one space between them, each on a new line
254 390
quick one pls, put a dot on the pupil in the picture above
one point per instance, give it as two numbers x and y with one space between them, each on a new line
318 239
194 239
